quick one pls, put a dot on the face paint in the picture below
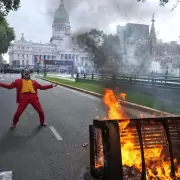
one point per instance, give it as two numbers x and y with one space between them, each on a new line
26 74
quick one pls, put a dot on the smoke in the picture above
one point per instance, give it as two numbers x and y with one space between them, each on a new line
155 67
99 14
130 51
76 33
87 14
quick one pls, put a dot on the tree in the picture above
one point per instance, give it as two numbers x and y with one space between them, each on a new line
8 5
92 42
162 2
7 34
101 46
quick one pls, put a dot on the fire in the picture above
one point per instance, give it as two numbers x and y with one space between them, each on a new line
156 167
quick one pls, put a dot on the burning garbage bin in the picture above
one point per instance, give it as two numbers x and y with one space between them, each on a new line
132 149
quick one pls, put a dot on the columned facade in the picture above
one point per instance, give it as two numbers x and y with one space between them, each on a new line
59 52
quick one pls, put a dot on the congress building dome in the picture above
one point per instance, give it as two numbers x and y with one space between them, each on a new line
61 14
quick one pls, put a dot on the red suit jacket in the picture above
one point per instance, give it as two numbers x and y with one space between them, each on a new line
18 85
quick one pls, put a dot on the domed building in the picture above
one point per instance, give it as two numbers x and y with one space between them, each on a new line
61 28
60 53
61 14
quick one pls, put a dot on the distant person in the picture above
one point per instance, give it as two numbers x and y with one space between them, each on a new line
27 94
31 71
166 74
38 72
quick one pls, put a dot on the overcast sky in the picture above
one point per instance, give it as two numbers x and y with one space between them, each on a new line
34 17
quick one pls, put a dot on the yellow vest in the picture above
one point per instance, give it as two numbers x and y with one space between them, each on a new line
27 86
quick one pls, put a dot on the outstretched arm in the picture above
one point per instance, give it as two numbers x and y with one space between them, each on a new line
44 87
8 86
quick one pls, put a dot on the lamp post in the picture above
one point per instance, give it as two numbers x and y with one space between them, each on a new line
38 68
72 72
45 73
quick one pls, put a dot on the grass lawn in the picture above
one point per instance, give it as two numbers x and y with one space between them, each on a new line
140 99
148 101
90 87
136 98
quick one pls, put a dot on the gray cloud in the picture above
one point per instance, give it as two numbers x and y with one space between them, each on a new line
34 18
93 13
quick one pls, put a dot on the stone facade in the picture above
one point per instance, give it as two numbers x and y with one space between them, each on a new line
60 52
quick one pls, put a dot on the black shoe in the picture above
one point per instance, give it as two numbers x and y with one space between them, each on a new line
13 126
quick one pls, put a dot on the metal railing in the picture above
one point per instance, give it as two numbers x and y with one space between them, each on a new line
163 81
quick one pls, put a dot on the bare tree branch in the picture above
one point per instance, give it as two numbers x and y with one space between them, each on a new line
164 2
8 5
161 2
175 6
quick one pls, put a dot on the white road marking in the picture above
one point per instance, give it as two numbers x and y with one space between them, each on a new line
7 175
56 134
2 79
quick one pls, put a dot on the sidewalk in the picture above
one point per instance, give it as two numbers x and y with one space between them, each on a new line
61 76
134 113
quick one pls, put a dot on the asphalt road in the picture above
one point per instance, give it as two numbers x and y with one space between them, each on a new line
54 152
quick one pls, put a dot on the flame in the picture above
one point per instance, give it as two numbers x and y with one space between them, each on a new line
123 96
156 166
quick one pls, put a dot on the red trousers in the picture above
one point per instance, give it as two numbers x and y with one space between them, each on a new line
26 99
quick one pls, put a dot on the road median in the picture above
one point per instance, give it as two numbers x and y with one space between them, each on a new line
97 88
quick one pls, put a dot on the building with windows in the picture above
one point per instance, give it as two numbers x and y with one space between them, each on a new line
59 53
131 30
141 46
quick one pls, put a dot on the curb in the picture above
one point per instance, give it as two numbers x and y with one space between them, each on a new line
72 87
125 103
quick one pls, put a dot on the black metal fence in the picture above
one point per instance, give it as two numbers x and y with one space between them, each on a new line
105 144
158 81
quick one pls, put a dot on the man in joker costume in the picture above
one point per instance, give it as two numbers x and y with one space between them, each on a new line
27 94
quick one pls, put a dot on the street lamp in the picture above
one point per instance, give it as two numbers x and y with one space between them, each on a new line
38 68
72 72
45 73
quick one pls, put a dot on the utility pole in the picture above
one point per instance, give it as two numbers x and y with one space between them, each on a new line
45 73
74 55
38 68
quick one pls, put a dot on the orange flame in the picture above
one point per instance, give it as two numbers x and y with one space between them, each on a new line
156 167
